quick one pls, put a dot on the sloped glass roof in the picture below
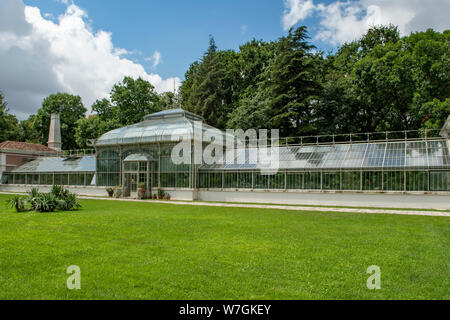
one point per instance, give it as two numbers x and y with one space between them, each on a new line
164 126
381 155
58 164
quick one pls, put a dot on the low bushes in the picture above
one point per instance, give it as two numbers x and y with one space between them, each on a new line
57 199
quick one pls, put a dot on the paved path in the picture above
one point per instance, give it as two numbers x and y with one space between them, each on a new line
272 206
293 208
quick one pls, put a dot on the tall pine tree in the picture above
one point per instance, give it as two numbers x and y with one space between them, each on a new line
206 98
292 85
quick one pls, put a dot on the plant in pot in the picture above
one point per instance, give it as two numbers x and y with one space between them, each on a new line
161 194
118 191
110 192
155 196
142 191
167 196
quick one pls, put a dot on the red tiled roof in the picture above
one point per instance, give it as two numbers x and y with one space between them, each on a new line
25 146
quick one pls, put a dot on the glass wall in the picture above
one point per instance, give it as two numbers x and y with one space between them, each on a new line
66 179
372 180
108 168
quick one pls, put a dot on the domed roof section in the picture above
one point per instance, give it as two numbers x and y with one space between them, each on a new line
163 126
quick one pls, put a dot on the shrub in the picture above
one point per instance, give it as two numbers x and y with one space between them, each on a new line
45 202
118 191
68 203
33 194
59 192
57 198
17 203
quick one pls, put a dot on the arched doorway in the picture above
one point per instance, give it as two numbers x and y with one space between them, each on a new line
136 170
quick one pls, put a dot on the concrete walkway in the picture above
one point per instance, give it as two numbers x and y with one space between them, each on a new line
279 207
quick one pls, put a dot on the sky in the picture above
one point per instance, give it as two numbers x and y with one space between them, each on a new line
84 47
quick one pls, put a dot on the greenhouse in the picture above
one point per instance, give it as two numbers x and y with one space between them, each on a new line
140 154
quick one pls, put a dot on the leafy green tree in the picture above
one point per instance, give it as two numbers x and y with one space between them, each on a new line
132 99
384 82
253 101
187 87
89 128
105 119
169 100
27 131
8 122
70 108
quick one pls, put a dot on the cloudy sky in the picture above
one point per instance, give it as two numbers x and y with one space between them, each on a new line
84 47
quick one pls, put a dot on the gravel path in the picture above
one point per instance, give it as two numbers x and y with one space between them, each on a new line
292 208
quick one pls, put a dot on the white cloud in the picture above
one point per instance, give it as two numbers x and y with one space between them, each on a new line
39 56
296 10
156 58
343 21
244 29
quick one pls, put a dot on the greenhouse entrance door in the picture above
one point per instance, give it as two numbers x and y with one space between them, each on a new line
131 183
137 175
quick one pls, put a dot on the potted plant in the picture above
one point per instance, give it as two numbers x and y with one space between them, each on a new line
168 197
118 192
142 191
154 196
110 192
161 194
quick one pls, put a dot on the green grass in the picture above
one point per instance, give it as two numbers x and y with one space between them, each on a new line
131 250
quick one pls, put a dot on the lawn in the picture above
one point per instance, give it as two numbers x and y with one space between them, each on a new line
129 250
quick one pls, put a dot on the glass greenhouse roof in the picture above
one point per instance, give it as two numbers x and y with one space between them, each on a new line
383 155
156 127
58 164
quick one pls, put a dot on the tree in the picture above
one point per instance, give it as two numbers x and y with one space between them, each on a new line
132 99
70 108
8 122
89 128
169 100
206 95
27 131
253 102
384 82
292 85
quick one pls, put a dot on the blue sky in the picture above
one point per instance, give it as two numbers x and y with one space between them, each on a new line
179 29
84 47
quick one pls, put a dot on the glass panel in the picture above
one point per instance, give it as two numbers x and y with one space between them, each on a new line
372 180
440 181
294 181
276 181
395 155
231 180
355 156
203 179
394 181
260 181
245 180
351 180
215 180
416 180
331 181
416 154
312 180
374 155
